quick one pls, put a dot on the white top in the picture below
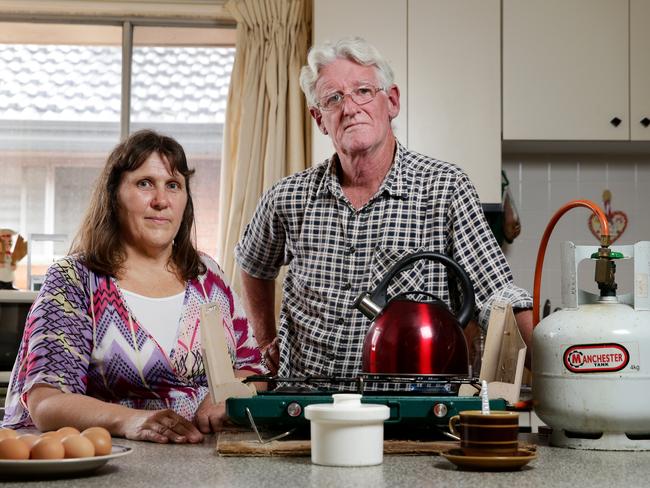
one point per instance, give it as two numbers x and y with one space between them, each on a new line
159 316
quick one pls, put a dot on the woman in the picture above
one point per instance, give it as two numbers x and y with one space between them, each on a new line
113 338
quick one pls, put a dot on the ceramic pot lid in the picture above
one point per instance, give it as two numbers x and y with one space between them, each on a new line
347 408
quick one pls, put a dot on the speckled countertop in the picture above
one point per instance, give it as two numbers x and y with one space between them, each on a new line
152 465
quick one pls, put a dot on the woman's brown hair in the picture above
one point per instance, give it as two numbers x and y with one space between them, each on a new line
98 241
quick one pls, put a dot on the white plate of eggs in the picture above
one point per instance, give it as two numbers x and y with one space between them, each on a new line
61 452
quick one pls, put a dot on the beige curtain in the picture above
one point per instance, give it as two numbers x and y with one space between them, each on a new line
266 135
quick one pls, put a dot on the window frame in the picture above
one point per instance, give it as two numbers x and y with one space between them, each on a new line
208 12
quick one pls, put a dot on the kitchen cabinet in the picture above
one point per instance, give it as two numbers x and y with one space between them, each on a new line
454 87
576 69
640 70
446 58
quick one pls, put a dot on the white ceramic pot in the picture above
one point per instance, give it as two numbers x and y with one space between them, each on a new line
347 432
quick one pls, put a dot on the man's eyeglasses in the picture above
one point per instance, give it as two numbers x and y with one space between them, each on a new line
360 96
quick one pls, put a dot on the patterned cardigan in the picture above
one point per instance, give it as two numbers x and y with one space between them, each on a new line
81 337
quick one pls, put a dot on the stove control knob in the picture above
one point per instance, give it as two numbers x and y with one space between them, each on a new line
440 410
294 409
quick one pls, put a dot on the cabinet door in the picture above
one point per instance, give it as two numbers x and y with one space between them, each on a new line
565 69
380 22
640 69
454 87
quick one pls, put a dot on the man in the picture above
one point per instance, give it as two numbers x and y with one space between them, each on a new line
341 225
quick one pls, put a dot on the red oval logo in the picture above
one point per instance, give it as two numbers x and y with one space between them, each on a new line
596 358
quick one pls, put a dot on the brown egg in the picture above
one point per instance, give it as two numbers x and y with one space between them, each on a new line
13 448
47 447
101 439
52 433
66 431
77 446
4 433
29 439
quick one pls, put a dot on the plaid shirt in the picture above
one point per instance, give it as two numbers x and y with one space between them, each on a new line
335 252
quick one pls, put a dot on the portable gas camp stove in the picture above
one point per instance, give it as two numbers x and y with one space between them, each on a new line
422 401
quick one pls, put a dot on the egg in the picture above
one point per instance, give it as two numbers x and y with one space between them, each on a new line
47 447
78 446
13 448
29 439
101 439
4 433
52 433
66 431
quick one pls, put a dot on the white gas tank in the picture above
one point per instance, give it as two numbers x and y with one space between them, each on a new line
591 360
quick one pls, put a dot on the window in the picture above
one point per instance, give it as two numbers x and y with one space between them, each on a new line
61 112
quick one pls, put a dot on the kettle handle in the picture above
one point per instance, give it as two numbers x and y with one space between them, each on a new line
378 296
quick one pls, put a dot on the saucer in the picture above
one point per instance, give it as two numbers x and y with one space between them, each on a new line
489 463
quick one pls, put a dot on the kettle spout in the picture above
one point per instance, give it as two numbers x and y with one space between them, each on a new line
366 306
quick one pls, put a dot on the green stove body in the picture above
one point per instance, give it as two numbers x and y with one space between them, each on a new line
287 410
419 400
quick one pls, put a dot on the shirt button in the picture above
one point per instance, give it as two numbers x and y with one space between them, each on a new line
340 321
347 286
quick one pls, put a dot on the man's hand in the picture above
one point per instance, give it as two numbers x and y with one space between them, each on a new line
210 416
160 426
271 355
524 319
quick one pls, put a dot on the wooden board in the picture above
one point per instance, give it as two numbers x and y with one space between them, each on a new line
246 444
503 359
216 358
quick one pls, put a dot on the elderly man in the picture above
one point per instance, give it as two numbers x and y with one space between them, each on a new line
341 225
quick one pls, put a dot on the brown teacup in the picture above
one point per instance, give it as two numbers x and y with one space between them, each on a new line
493 434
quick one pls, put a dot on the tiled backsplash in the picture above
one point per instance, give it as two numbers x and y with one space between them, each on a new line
540 185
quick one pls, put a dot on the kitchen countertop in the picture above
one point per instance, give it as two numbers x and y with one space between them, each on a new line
154 465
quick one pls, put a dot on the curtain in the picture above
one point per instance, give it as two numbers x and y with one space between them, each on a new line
266 133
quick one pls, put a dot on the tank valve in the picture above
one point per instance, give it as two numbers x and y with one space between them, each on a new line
606 270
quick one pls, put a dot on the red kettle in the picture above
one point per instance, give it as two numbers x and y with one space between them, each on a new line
416 337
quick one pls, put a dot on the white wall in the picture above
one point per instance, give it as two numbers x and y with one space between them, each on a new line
542 184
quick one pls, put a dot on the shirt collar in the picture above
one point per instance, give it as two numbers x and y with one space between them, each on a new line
393 184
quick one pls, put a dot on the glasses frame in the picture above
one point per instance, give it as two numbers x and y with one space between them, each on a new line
352 94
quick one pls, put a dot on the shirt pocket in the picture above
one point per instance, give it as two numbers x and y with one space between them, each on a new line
410 279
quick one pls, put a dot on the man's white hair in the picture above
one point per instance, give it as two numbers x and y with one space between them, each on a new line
353 48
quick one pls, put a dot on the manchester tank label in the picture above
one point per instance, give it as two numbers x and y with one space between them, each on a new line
596 358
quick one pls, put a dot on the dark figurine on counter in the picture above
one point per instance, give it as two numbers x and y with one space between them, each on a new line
10 254
340 225
113 338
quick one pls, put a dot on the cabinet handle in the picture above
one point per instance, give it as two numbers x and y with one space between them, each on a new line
615 121
645 121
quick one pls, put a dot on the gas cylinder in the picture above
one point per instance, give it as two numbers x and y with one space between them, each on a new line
591 359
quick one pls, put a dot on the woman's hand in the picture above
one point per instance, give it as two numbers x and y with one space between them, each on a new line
210 416
161 426
51 409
